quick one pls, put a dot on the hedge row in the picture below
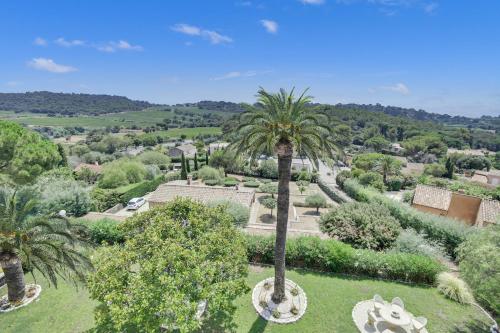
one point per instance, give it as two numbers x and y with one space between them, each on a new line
448 232
330 255
105 199
334 195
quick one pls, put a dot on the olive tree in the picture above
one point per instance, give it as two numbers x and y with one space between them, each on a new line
175 257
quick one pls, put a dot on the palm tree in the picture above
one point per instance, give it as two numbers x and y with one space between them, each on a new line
281 123
49 244
387 166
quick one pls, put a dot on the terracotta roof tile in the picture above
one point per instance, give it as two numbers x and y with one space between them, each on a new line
433 197
489 212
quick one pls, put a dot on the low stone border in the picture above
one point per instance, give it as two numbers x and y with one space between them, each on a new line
6 307
289 311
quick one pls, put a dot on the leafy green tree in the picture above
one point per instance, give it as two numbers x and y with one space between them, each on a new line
24 154
209 173
175 257
269 203
479 261
316 200
281 123
268 169
387 166
154 158
195 161
47 244
377 142
343 135
435 169
240 213
183 167
302 185
270 188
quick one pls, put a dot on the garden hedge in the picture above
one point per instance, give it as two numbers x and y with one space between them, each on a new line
332 194
447 231
330 255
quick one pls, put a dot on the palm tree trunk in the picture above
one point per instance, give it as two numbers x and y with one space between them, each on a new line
285 151
14 276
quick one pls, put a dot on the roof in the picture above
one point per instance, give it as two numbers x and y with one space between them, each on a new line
92 167
304 161
433 197
169 191
219 144
489 212
494 173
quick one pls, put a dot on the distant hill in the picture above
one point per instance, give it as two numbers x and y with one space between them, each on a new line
216 106
68 104
484 122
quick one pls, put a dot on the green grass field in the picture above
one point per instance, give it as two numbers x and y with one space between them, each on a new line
330 303
147 117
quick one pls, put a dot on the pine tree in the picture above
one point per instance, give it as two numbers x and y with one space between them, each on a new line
195 161
183 167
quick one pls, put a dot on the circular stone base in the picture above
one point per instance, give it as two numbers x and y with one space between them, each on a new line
288 311
32 293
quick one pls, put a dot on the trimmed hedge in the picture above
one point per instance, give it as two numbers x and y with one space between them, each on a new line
104 231
448 232
330 255
211 182
332 194
141 189
251 183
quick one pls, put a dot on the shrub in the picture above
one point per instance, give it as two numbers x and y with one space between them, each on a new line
373 179
362 225
105 230
211 182
269 203
268 169
63 194
438 228
209 173
342 176
231 182
436 170
394 183
454 288
240 213
410 241
122 172
265 181
154 158
316 200
249 179
141 189
252 184
479 262
333 256
408 196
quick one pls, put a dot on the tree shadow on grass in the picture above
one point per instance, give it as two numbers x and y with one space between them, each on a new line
259 325
472 326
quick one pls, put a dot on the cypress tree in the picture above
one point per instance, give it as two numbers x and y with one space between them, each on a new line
449 168
188 165
195 161
183 167
64 159
206 158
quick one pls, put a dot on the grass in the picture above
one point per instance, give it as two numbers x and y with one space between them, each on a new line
144 118
330 303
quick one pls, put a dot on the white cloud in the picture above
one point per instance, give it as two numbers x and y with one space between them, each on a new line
13 83
187 29
116 46
69 43
44 64
191 30
40 41
312 2
236 74
399 88
270 26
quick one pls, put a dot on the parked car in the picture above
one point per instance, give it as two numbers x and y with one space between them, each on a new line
135 203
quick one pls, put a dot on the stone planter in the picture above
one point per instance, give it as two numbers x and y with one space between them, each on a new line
288 311
32 293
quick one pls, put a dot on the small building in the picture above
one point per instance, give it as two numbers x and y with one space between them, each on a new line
96 168
214 146
491 177
396 148
188 149
470 152
180 188
469 209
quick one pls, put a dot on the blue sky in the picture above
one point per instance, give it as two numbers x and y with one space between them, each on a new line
442 56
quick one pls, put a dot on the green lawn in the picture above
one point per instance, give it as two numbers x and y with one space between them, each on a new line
330 302
147 117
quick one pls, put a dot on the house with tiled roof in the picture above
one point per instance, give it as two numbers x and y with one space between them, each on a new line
188 149
96 168
469 209
491 177
181 188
